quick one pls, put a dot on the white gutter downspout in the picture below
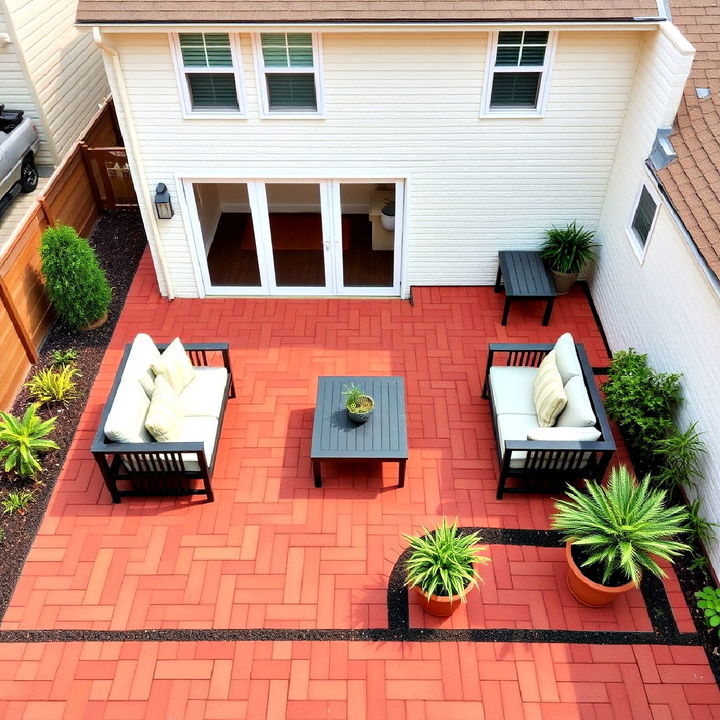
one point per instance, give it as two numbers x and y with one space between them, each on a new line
134 157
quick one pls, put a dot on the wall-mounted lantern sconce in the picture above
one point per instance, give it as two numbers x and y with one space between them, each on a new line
163 206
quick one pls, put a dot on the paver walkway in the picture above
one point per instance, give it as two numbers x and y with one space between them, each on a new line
308 568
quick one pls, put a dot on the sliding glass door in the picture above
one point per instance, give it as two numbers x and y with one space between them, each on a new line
298 238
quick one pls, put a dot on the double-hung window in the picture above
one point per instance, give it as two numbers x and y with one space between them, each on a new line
519 67
289 70
211 78
643 217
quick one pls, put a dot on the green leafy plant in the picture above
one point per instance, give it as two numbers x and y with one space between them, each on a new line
701 531
75 282
17 501
709 603
60 358
623 526
54 385
679 457
22 439
568 249
356 400
442 562
641 401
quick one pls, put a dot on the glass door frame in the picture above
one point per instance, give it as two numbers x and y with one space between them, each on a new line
331 216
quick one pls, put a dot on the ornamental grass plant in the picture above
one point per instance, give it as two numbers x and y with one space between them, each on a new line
442 562
568 249
622 527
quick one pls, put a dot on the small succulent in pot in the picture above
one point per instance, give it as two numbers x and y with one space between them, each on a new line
442 567
359 405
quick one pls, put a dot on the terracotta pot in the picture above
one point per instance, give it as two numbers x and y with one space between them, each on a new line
441 605
588 592
95 325
563 281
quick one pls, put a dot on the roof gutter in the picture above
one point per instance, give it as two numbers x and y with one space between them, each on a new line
135 156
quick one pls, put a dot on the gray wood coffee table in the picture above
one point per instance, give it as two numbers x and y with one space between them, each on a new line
383 437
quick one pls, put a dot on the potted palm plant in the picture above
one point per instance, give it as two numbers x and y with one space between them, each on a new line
359 405
614 533
567 250
442 567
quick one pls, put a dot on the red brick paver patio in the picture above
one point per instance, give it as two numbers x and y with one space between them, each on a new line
274 553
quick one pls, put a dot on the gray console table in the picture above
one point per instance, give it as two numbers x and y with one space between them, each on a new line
383 437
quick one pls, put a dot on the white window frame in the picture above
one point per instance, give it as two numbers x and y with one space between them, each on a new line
545 71
635 241
317 70
181 72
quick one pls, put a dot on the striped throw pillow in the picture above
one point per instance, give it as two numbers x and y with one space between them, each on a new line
548 392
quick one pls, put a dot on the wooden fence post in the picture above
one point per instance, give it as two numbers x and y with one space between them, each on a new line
18 324
87 162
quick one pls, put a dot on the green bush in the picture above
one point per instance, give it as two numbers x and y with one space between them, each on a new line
709 603
54 385
641 401
75 282
22 440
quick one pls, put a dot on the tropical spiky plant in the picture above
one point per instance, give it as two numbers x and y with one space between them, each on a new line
623 526
568 249
442 562
17 501
22 439
54 385
679 457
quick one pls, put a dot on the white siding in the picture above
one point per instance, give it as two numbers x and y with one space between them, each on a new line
65 68
406 105
15 89
665 307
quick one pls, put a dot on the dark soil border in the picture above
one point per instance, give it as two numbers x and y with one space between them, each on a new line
119 242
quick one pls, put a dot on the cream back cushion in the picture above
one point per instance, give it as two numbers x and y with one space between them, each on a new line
548 393
126 421
165 414
567 359
578 412
175 366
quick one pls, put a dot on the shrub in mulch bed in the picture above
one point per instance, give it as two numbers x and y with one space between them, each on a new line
119 241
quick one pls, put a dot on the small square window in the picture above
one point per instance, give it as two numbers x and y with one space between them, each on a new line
644 216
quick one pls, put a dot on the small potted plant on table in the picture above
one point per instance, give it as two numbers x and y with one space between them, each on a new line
359 405
613 533
442 567
567 250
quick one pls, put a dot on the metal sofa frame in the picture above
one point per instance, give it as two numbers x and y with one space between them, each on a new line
547 465
159 468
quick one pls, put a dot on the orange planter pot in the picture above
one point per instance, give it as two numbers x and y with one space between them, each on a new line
441 605
588 592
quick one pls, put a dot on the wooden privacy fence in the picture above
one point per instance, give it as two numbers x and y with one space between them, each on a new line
71 197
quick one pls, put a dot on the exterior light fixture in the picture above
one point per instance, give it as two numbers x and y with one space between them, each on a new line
163 206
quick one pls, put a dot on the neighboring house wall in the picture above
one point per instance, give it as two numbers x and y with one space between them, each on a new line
64 68
664 305
403 105
15 88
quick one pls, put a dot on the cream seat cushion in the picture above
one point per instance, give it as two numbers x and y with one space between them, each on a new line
205 393
126 420
512 389
564 434
566 356
175 366
165 414
143 354
578 412
548 394
513 426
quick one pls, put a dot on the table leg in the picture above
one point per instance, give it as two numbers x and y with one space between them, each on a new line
548 311
506 311
498 287
401 481
316 473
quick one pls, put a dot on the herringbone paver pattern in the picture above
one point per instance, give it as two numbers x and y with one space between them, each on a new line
272 551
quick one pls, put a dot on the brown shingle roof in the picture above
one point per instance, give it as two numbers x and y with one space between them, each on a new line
693 180
254 11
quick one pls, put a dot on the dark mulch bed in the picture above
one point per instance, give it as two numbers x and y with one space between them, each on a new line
119 241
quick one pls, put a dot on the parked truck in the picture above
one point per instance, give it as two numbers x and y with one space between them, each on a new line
19 141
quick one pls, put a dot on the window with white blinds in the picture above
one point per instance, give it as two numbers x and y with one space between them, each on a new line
644 216
289 69
519 62
210 72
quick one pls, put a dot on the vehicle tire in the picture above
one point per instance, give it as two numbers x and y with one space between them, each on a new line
28 175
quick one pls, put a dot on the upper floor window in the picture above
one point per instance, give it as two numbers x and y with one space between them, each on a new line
211 74
644 216
519 66
289 69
